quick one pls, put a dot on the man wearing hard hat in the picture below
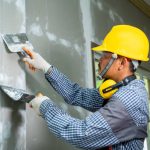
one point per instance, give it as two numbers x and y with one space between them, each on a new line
120 124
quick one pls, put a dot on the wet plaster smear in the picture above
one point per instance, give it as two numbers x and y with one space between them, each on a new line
12 114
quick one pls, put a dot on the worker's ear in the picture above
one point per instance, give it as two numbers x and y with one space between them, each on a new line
123 63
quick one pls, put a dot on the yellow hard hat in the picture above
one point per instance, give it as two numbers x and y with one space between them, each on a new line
126 40
106 84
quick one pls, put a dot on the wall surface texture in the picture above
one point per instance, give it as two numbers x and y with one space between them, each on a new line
61 31
12 114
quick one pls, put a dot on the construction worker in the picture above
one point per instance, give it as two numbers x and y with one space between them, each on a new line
120 124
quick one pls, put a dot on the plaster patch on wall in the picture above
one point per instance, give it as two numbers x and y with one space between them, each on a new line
20 4
65 42
51 36
100 6
78 49
35 29
19 81
4 78
113 15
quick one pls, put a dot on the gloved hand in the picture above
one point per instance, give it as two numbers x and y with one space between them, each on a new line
36 61
36 102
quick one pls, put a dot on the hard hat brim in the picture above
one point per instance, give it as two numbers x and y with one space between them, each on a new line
99 48
102 48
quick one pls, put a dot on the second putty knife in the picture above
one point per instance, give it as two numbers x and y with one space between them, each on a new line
17 94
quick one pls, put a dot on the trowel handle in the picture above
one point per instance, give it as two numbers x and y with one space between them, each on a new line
23 54
27 51
27 98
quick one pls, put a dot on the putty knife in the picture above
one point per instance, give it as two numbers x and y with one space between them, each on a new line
17 94
15 42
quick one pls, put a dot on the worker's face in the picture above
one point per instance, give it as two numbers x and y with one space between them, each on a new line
119 66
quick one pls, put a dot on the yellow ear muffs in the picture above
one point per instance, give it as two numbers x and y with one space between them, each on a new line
107 88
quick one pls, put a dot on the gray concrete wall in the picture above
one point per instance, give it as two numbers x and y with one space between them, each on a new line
12 115
61 31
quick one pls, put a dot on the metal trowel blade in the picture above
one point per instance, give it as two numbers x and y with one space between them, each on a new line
15 42
17 94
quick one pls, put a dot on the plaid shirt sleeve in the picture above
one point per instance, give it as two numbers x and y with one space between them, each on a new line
72 93
90 133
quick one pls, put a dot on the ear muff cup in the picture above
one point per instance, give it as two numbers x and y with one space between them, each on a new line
105 85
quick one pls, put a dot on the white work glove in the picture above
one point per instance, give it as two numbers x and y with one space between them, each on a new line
36 102
36 61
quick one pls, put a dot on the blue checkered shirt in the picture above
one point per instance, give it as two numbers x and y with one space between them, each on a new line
93 132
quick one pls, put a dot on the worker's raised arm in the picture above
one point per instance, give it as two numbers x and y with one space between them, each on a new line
72 93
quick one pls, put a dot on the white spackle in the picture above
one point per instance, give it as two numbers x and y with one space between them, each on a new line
65 42
111 14
99 4
19 81
21 4
51 36
4 78
35 29
78 49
